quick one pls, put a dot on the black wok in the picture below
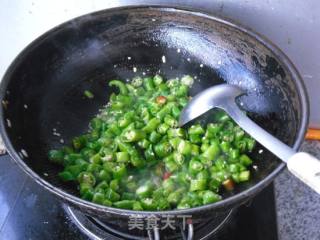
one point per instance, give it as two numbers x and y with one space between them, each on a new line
43 88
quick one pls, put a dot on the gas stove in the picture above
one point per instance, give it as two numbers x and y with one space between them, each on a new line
29 212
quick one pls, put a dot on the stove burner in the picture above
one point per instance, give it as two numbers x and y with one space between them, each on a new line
96 229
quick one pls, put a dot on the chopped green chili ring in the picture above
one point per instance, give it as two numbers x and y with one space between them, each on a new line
134 156
88 94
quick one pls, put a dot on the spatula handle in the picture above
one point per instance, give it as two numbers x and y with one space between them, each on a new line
307 168
274 145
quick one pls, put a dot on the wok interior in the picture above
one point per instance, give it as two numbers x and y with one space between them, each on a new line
48 79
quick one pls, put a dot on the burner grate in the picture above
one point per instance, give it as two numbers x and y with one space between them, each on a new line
98 230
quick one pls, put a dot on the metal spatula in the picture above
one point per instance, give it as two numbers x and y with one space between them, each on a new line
223 96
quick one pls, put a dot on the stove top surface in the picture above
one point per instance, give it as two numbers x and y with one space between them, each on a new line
29 212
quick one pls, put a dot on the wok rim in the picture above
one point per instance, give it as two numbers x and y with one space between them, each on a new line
230 201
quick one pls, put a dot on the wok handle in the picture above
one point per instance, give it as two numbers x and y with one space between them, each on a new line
307 168
313 134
